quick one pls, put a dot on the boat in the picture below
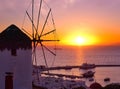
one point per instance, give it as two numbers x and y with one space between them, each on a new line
91 79
68 68
106 79
88 74
87 66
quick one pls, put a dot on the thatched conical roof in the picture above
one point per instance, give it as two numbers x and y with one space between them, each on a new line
13 38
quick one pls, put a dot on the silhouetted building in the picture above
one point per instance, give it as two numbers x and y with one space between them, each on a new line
95 86
15 59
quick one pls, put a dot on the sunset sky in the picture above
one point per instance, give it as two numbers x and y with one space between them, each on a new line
78 22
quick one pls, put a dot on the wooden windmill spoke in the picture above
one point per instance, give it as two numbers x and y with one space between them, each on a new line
35 46
34 52
49 40
44 54
45 22
49 50
32 22
32 18
26 32
41 40
39 14
48 32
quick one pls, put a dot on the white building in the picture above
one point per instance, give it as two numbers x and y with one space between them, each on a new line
15 59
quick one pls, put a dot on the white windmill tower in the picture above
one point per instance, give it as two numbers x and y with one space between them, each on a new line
15 55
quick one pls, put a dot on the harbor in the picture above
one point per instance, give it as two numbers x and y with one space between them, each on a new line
71 67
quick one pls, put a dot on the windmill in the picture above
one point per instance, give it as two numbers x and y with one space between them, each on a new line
38 27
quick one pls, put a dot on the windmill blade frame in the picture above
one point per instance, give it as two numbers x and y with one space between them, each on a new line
37 37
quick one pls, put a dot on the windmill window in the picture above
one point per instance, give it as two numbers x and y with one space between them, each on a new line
14 52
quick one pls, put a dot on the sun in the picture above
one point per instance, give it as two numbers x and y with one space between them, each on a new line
84 40
79 41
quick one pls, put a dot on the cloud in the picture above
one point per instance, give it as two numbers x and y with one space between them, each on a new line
62 3
12 12
70 1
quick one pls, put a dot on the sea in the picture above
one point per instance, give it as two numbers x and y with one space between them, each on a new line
77 55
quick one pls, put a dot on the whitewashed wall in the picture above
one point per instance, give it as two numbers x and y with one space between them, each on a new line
20 65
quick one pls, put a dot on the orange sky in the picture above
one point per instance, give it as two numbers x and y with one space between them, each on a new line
78 22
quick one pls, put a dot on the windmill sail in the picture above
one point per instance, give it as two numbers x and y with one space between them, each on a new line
42 31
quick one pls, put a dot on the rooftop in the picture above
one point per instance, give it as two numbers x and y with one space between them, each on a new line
13 38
